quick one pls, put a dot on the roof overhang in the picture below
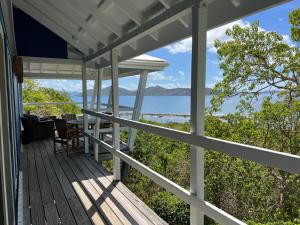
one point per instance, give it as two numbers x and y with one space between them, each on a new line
71 69
133 26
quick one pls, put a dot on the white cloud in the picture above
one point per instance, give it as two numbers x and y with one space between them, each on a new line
131 86
287 39
217 33
180 46
215 79
280 19
65 85
181 73
159 75
213 61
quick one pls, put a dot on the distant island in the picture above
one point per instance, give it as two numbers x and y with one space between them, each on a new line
150 91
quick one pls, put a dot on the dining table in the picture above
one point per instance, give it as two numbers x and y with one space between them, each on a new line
91 122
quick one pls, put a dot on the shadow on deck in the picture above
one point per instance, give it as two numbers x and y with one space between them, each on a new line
60 189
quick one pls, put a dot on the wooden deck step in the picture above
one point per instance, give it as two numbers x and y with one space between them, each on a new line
60 189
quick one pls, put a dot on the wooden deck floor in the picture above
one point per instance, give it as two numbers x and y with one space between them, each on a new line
58 189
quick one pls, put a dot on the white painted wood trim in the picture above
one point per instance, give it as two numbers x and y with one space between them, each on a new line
280 160
137 107
199 30
169 16
115 111
84 101
208 209
95 89
98 108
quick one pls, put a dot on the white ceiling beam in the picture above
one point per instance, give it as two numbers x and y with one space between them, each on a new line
130 10
167 17
133 45
51 25
79 18
102 19
154 35
106 6
167 4
236 3
59 18
133 13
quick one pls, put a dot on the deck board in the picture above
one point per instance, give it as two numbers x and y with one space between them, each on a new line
36 205
60 189
24 170
126 192
62 205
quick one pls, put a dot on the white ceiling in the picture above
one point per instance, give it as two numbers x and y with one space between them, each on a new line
92 25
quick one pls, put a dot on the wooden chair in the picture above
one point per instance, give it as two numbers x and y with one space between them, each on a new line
69 117
66 134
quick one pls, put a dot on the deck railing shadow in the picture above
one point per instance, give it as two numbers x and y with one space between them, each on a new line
78 171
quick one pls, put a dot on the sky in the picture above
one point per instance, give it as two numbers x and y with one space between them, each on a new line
178 54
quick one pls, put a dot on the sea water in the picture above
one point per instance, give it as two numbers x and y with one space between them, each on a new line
173 105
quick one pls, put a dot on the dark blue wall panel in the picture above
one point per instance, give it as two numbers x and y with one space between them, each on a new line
33 39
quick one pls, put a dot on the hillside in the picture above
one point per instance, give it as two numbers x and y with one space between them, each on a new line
150 91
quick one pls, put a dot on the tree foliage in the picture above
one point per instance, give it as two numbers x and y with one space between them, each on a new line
33 93
294 19
252 61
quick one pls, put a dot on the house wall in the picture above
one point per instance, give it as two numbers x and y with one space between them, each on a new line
9 131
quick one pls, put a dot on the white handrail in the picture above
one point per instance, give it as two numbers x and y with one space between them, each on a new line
210 210
271 158
284 161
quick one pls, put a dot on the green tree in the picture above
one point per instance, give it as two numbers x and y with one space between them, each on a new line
294 19
254 61
33 93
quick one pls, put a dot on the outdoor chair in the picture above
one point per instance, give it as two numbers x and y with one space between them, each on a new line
36 128
69 117
66 136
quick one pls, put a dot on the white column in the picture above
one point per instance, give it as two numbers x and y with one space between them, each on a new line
92 104
137 107
115 111
84 100
109 102
97 129
199 29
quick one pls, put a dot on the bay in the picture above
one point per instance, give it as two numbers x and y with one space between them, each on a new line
173 105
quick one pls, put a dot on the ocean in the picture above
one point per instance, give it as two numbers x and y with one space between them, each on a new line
167 105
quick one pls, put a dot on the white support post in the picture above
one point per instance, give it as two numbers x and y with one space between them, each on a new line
109 102
199 29
115 111
97 129
95 89
84 100
137 107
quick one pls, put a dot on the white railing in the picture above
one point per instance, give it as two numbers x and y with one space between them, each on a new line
280 160
122 108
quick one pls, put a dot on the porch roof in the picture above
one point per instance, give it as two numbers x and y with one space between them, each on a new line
51 68
134 26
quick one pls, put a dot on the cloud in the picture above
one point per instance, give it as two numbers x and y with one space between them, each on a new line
159 75
65 85
280 19
215 79
287 39
181 73
185 45
213 61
